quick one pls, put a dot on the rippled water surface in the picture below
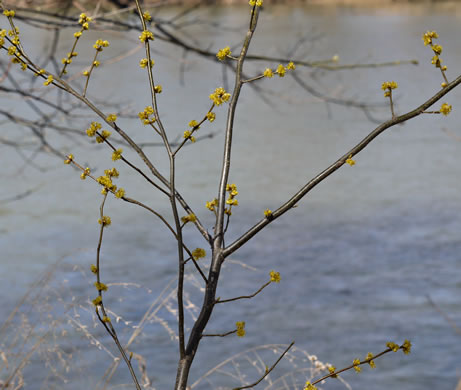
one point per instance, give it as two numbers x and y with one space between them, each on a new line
361 258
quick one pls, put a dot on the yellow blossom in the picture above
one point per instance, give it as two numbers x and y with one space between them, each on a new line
291 66
406 347
193 123
219 96
267 213
9 14
371 362
240 328
106 319
111 172
280 70
436 61
211 205
211 116
437 49
117 155
69 159
120 193
232 202
78 34
146 35
223 53
428 36
146 16
188 135
111 118
49 80
395 347
158 89
143 63
189 218
309 386
268 73
275 276
445 109
100 44
100 286
105 221
84 18
350 161
96 63
94 269
97 301
198 253
356 363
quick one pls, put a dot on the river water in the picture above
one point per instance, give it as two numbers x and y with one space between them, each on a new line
363 258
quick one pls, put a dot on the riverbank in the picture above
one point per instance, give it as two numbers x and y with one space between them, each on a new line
124 3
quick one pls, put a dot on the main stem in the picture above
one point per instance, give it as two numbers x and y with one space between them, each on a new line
217 257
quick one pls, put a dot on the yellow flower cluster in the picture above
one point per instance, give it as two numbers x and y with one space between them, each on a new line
395 347
9 14
158 89
85 173
146 16
84 21
49 80
146 35
350 161
371 362
144 116
194 123
198 253
104 221
143 63
223 53
111 118
211 205
257 3
211 116
189 218
406 347
331 370
219 96
106 182
97 301
267 213
275 277
309 386
240 328
100 286
104 135
445 109
188 135
94 127
69 159
281 70
100 45
94 269
428 36
231 201
387 86
356 363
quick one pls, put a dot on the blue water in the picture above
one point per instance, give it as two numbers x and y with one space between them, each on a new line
361 257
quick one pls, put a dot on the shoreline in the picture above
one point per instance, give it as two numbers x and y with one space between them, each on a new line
327 3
